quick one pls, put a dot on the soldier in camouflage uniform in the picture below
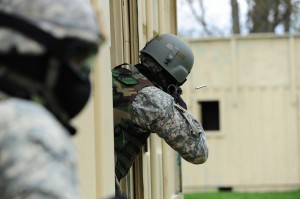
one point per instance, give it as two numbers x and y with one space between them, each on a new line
147 100
44 83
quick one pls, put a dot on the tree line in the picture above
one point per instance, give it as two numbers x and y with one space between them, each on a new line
262 16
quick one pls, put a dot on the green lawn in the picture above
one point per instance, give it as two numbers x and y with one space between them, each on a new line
238 195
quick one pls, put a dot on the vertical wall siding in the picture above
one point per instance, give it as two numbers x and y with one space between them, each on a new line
257 147
128 27
159 181
94 146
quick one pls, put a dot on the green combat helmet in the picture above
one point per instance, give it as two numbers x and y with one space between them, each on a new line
59 18
174 55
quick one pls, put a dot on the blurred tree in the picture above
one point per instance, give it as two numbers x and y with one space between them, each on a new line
279 16
235 17
199 15
265 16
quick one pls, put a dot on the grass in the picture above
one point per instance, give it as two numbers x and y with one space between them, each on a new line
240 195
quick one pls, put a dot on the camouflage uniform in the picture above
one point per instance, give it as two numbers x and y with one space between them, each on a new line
128 142
37 157
148 109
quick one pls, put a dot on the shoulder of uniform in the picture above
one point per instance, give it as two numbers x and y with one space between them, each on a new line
123 66
124 75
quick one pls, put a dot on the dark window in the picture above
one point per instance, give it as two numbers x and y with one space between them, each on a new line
210 115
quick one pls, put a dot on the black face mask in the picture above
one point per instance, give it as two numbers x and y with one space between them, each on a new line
65 96
69 87
71 92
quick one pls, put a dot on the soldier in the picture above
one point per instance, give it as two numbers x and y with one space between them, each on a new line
44 83
147 100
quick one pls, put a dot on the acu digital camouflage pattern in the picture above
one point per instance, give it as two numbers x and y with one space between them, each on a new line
128 144
150 110
154 111
61 18
37 157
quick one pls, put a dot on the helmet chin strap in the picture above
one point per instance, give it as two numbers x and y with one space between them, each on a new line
154 72
155 76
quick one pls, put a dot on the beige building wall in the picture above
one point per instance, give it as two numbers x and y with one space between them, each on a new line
127 26
256 81
93 141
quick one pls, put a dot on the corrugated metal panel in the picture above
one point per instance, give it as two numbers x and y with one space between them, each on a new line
257 146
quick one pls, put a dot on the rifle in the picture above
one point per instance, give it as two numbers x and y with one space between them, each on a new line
175 92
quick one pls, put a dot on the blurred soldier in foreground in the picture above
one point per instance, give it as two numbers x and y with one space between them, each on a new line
147 100
44 83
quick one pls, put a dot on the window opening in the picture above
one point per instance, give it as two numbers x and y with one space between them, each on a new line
210 115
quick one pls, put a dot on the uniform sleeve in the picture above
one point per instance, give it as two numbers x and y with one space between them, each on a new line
154 111
37 158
